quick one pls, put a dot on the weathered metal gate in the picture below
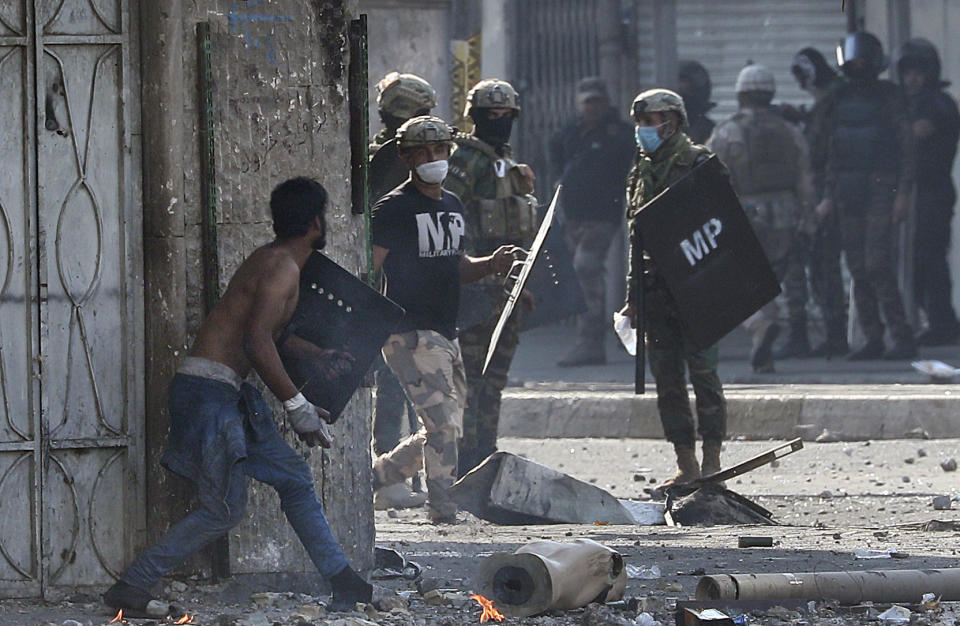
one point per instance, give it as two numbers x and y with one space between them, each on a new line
70 295
556 47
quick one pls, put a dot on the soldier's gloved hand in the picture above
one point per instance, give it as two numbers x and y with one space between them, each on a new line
307 421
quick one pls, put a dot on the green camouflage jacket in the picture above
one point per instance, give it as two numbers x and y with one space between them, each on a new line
498 203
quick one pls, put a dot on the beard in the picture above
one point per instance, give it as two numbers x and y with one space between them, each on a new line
320 242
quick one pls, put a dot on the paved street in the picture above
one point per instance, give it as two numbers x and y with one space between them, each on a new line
540 348
830 499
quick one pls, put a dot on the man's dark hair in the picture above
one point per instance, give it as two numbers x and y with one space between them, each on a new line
294 203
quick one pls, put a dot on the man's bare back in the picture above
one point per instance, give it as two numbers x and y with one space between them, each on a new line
258 303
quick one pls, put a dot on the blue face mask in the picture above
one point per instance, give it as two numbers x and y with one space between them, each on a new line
648 138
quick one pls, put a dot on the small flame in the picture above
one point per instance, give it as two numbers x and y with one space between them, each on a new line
186 619
490 612
118 619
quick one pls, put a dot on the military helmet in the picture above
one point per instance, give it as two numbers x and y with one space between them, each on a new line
656 100
697 78
404 95
492 93
863 47
755 78
920 54
421 130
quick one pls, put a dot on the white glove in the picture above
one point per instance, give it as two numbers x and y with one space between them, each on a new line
307 422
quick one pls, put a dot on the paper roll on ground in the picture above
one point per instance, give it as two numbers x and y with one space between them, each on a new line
548 575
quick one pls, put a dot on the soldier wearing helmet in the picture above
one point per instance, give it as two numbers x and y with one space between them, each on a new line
821 250
769 167
399 98
418 240
694 86
499 208
868 157
936 125
664 155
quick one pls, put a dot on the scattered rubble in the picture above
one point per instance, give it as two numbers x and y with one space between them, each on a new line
949 465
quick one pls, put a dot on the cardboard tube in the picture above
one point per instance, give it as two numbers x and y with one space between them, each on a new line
547 575
845 587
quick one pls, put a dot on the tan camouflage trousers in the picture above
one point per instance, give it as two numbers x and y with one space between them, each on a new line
588 242
430 369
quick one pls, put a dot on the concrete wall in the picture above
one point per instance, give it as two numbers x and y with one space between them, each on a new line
409 36
281 110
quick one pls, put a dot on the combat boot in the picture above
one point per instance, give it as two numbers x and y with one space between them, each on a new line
901 349
836 342
761 354
689 468
584 353
870 351
711 457
397 496
797 346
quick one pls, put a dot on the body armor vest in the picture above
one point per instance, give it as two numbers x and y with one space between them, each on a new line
771 158
512 214
862 139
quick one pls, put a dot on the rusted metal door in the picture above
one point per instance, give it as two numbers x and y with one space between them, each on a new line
71 309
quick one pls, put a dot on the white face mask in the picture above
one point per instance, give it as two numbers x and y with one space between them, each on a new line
433 172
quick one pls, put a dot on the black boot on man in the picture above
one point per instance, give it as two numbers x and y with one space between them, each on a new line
797 346
902 349
349 589
136 603
871 351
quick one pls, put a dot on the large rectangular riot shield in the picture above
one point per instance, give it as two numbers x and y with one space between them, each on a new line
703 246
337 311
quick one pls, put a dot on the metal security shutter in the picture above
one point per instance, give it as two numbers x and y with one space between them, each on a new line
556 48
724 34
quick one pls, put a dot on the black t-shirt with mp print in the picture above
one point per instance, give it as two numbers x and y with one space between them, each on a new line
424 237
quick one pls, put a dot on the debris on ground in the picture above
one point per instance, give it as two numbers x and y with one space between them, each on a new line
643 572
896 614
508 489
847 587
712 506
942 503
949 465
549 575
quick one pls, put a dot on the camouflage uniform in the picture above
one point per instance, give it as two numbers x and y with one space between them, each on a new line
387 171
431 370
499 209
399 97
769 167
668 349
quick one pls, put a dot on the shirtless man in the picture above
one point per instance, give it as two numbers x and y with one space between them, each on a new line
221 430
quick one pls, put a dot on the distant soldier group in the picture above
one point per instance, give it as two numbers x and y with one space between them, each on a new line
837 177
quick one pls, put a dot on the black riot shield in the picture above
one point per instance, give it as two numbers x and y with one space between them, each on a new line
336 311
553 283
703 246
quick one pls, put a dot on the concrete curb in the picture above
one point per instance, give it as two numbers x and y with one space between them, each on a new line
849 412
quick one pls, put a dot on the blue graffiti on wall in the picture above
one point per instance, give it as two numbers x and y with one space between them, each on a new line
240 25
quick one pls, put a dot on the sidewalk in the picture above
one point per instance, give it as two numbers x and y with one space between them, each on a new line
852 400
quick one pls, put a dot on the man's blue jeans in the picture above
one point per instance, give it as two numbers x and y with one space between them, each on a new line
218 437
